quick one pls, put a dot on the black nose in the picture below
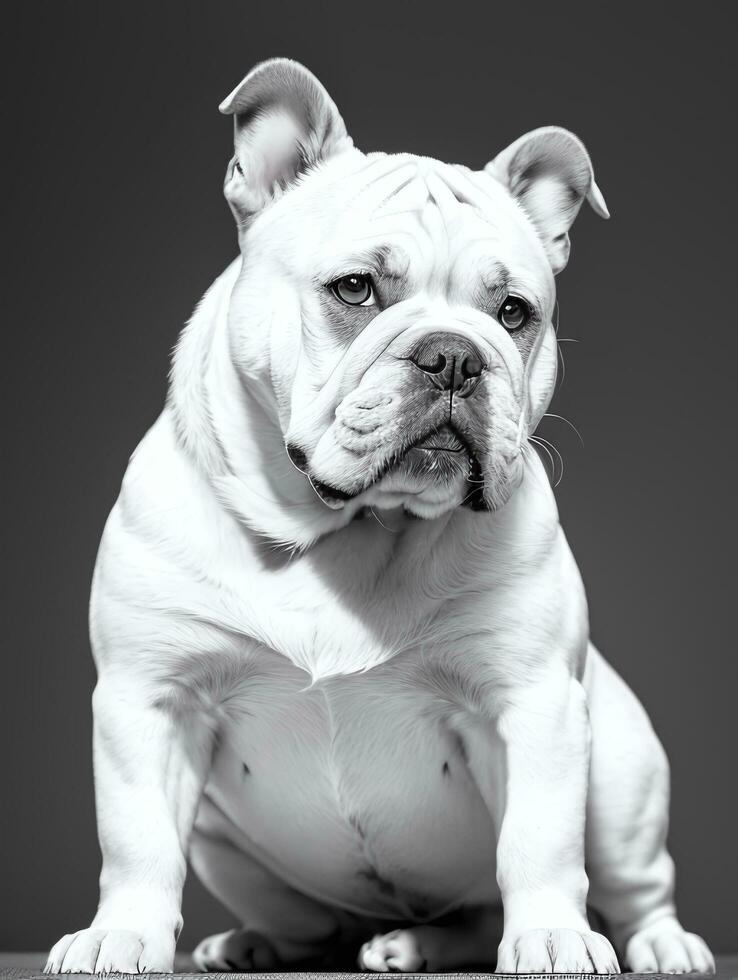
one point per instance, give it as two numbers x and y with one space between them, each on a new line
451 361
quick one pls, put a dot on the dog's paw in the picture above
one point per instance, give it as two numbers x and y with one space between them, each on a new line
96 950
556 951
240 950
397 951
664 947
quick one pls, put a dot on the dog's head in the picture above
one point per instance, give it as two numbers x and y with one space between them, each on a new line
393 313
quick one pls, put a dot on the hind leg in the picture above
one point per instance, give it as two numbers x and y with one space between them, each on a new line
631 871
280 925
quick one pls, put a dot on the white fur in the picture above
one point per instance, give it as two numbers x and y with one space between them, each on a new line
424 719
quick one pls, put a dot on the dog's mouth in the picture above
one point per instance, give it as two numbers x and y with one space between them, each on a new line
444 440
442 455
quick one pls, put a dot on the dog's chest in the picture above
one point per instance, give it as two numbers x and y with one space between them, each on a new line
362 597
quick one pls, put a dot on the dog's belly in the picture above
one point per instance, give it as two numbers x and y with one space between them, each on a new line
356 791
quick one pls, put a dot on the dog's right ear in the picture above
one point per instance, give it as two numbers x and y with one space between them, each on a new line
284 122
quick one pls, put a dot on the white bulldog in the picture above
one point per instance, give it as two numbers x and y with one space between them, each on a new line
342 643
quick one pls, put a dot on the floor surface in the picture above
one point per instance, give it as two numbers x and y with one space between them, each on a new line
27 966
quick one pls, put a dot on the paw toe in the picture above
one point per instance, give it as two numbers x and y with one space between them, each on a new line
58 952
397 951
371 957
119 953
672 955
702 959
81 956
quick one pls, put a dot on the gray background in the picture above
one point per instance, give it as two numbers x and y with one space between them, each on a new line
114 155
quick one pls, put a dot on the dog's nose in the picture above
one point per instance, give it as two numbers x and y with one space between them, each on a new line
451 362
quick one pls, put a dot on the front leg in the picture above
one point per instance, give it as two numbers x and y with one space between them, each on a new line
544 728
150 765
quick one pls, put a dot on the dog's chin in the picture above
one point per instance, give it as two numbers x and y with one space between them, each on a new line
433 477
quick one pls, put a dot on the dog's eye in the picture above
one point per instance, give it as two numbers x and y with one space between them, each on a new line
354 290
514 313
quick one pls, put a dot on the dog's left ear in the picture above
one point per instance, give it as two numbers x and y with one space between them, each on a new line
549 171
284 122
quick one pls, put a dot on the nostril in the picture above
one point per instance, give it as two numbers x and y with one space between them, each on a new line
471 366
435 368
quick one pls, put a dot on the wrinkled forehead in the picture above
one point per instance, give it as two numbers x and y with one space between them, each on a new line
416 214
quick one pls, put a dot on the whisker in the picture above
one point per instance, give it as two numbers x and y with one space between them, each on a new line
553 415
529 453
563 363
559 456
561 340
471 492
376 518
294 465
547 452
475 485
